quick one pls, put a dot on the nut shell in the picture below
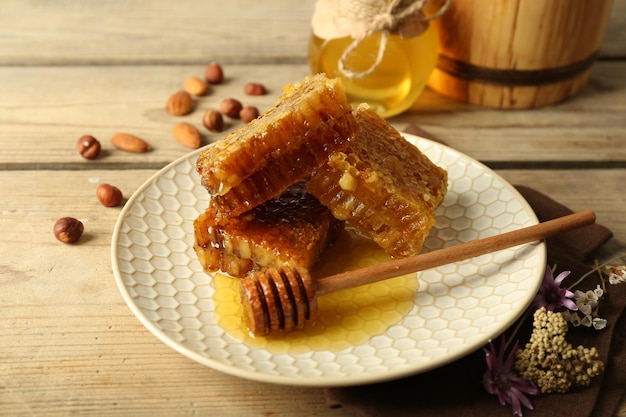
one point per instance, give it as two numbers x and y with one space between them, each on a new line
187 135
231 107
213 121
195 86
214 74
129 143
248 114
180 103
68 229
254 89
88 147
109 195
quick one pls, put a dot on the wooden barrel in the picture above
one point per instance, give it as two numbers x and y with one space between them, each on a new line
518 53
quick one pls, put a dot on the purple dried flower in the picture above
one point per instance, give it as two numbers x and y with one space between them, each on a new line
551 295
502 380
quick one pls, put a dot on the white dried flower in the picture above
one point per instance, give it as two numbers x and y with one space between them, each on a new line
617 274
599 323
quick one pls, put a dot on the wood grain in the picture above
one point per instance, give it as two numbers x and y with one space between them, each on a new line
69 345
513 54
67 32
48 106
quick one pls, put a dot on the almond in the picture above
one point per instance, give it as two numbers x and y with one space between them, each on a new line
179 103
195 86
187 135
129 143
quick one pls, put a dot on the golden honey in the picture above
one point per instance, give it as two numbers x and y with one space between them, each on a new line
345 318
396 82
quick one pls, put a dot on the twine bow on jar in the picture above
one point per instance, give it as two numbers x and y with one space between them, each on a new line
362 18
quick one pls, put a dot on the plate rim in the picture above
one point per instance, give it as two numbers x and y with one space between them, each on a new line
323 381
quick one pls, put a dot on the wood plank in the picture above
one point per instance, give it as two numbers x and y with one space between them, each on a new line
145 31
46 109
189 31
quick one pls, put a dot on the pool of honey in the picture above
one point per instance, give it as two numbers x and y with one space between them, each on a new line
345 318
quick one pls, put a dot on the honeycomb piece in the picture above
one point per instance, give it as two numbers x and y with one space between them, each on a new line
382 185
293 229
310 120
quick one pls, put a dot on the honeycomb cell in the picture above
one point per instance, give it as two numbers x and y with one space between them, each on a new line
179 246
212 332
386 353
455 212
175 232
165 291
183 283
155 222
186 306
459 292
481 183
183 183
136 212
189 332
144 291
403 344
436 323
398 332
147 304
413 322
352 322
140 243
462 184
145 279
323 356
172 326
161 256
444 334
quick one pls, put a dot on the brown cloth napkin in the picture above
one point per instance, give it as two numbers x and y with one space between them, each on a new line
456 389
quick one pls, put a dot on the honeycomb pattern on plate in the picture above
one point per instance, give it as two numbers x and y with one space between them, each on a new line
457 308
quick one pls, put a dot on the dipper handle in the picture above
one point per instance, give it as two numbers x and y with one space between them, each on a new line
453 254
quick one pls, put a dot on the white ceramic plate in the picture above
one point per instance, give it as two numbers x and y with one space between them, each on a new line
456 310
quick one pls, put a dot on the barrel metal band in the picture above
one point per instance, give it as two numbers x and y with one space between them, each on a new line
513 78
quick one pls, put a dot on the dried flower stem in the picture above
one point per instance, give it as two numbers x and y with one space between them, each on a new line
597 268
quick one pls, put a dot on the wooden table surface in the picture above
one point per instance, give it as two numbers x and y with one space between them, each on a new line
69 345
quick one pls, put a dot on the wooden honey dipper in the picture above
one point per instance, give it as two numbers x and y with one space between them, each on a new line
283 299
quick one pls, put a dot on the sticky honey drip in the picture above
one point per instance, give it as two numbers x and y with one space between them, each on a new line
345 318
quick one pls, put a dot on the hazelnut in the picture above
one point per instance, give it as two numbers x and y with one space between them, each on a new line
248 114
195 86
254 89
88 147
68 229
179 103
109 195
213 121
231 107
214 74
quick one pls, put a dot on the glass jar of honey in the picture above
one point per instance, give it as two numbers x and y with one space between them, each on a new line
383 50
